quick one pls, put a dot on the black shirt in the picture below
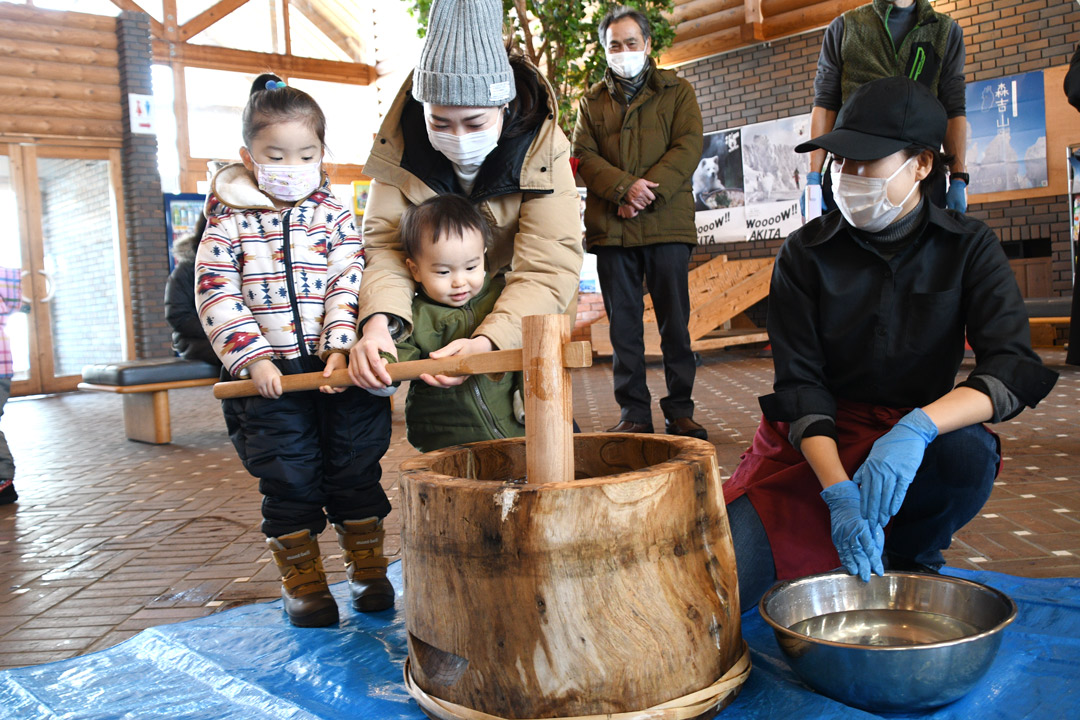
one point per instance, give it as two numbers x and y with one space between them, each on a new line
845 323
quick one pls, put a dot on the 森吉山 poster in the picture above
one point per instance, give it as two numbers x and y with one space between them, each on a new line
1006 146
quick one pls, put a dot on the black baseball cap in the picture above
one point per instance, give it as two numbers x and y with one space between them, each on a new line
883 117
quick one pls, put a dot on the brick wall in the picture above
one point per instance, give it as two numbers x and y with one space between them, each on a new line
144 217
1004 37
77 223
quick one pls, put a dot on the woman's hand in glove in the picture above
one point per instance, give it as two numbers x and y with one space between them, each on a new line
858 542
894 459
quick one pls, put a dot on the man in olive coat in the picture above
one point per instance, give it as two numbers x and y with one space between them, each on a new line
638 140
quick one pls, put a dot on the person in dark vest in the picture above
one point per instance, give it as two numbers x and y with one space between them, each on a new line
639 140
869 454
189 340
886 38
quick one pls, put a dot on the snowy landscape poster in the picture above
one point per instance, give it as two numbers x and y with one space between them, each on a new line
718 189
1006 147
774 176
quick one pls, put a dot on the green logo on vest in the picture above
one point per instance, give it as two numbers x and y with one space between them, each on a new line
917 63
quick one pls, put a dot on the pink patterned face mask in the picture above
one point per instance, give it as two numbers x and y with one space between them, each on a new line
289 182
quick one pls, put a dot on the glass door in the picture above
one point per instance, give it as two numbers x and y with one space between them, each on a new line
14 253
66 223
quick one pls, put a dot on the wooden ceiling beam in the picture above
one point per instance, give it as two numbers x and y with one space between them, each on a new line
51 52
35 70
58 34
60 18
693 9
806 18
156 28
704 46
39 87
208 17
709 27
778 7
328 27
708 24
216 58
754 13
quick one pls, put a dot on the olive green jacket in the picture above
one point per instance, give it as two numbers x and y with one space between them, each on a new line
874 54
482 407
657 137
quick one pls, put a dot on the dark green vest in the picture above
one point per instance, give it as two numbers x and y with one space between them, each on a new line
867 50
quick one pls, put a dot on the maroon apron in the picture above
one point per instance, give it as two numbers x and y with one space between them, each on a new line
786 494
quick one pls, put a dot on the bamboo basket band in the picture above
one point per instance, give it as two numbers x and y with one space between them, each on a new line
683 708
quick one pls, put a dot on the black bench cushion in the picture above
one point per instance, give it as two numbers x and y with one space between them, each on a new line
1048 307
145 372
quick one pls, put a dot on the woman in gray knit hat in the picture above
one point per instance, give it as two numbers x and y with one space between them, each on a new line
481 122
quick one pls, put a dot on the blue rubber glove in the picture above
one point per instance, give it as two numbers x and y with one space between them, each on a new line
858 542
956 198
894 459
812 178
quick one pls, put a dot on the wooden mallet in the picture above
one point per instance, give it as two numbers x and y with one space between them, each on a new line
546 357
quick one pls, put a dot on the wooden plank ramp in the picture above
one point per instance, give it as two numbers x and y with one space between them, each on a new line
720 291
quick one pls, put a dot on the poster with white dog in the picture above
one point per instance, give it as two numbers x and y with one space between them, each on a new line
718 189
775 176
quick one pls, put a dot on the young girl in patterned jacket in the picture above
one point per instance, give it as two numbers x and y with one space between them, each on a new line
277 275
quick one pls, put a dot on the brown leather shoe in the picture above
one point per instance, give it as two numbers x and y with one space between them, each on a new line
625 426
686 427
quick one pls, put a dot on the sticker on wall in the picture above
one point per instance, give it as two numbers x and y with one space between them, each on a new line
141 114
748 182
774 176
1006 146
718 189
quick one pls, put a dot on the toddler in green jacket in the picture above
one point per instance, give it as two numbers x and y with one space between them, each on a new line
444 239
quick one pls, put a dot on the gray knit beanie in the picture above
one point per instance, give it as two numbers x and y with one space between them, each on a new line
464 60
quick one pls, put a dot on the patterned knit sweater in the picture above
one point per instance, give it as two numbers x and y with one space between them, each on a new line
276 283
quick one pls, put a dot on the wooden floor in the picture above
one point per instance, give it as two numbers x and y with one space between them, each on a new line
110 536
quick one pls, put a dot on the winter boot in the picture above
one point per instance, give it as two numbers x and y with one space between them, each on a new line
365 566
308 601
7 492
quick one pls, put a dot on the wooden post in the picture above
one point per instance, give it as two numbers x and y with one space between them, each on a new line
548 399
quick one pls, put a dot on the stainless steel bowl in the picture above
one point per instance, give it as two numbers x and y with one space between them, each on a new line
902 642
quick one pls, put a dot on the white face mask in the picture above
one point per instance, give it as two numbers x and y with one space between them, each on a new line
864 201
468 150
626 64
289 182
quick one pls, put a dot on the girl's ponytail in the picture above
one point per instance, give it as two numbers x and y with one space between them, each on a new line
271 101
266 81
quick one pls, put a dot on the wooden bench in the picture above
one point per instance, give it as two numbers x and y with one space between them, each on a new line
145 386
1044 316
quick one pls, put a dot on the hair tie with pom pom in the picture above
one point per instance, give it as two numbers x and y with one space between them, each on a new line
274 84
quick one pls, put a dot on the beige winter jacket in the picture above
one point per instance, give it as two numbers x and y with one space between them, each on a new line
526 192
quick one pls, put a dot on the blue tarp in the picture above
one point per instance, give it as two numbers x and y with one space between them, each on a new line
249 663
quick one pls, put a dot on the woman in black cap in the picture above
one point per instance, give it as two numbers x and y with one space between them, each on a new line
867 456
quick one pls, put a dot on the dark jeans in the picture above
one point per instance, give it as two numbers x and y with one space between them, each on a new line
663 269
951 486
316 455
